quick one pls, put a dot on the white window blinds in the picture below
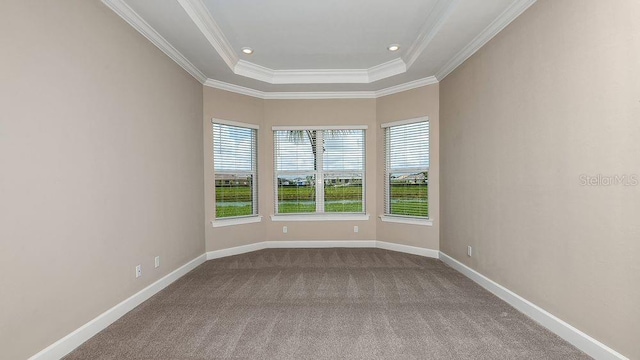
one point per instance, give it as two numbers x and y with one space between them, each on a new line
235 169
407 168
319 170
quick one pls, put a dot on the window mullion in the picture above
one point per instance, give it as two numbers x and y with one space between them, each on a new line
387 183
319 171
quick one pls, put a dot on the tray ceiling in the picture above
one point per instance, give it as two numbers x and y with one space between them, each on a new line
310 47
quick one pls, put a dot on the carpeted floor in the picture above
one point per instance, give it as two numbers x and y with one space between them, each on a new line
325 304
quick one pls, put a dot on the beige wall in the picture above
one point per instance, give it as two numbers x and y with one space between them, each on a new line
225 105
319 112
369 112
408 105
100 168
554 96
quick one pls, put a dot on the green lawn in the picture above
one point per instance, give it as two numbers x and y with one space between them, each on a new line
290 193
410 200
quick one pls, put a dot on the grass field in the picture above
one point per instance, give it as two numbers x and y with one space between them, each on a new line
410 200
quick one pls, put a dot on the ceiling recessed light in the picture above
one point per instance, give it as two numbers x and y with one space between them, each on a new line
393 47
247 50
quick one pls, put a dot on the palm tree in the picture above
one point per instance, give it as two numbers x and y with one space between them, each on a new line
299 136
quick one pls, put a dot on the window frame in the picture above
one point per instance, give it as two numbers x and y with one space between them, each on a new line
387 216
241 219
319 214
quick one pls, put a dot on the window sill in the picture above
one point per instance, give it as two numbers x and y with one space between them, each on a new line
321 217
406 220
236 221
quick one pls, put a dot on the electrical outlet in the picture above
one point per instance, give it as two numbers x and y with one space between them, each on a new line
356 229
138 271
469 251
284 229
157 261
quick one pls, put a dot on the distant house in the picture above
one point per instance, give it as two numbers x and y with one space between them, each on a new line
419 178
231 179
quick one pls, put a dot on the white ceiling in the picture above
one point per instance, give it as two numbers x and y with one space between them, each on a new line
330 34
333 47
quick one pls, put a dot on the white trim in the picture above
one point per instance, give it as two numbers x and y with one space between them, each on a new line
65 345
408 249
430 80
234 123
237 250
406 220
68 343
577 338
320 217
374 73
197 11
435 20
319 95
497 25
329 127
221 85
216 84
319 76
405 122
319 244
253 71
386 70
132 18
236 221
202 18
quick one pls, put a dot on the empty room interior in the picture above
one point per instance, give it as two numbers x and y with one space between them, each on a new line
357 179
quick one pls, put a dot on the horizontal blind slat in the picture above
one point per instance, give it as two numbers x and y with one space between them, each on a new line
406 169
233 148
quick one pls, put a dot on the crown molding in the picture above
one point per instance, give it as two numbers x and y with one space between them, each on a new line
319 95
253 71
316 95
436 19
221 85
207 25
388 69
132 18
497 25
320 76
407 86
200 16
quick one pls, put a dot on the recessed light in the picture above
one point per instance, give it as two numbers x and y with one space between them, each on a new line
247 50
393 47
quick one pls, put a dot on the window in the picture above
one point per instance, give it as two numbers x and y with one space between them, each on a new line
235 169
319 170
407 168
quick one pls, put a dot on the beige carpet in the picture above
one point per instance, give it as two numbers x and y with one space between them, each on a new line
325 304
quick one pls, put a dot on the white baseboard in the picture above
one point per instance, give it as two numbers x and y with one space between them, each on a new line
235 250
65 345
317 244
68 343
577 338
408 249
